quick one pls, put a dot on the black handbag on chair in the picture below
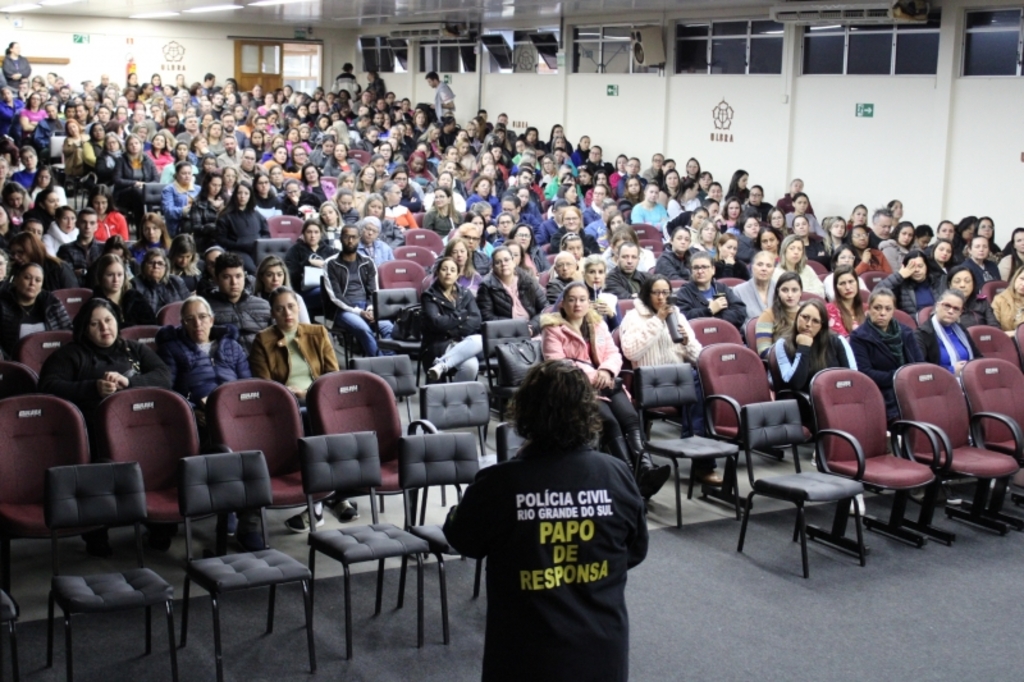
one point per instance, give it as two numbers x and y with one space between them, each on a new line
515 360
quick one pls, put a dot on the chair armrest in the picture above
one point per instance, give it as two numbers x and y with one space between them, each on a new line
1018 437
937 438
709 423
819 450
424 424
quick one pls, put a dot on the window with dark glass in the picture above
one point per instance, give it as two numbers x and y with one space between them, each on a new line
903 49
992 43
729 47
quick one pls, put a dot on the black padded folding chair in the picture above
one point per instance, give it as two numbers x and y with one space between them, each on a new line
235 481
110 494
779 425
9 615
397 371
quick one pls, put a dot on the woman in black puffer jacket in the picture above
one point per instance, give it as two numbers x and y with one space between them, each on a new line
26 307
496 303
451 326
239 226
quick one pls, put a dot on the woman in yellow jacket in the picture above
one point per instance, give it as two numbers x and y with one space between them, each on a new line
291 353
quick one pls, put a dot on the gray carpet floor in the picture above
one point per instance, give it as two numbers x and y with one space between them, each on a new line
698 611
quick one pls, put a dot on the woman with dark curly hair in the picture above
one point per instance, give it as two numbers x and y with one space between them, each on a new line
567 610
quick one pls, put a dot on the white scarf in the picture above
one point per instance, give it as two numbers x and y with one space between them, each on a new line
943 337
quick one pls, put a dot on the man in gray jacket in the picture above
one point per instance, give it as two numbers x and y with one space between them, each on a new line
232 305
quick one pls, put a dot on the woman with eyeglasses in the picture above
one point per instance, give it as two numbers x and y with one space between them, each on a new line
943 340
504 295
809 346
156 283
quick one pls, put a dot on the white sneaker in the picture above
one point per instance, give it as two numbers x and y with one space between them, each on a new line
437 372
858 505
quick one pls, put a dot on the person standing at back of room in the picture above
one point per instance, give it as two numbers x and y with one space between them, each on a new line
560 524
444 98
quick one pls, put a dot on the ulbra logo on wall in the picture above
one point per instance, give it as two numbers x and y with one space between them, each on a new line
174 53
722 116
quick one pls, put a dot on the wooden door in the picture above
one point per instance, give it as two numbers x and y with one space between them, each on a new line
259 61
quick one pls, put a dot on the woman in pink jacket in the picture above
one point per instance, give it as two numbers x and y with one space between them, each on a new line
577 333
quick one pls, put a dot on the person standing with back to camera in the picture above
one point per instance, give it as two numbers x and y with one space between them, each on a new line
561 524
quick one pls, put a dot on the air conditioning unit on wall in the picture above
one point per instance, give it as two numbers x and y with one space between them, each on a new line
648 46
808 14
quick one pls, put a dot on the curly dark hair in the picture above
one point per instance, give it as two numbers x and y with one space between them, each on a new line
555 408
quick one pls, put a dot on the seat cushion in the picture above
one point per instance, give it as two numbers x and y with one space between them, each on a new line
23 521
367 543
111 591
811 486
287 489
162 506
8 609
242 571
434 535
983 463
694 448
887 471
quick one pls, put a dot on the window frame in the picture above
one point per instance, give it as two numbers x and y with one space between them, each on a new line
967 31
385 45
602 40
459 44
746 37
869 30
527 38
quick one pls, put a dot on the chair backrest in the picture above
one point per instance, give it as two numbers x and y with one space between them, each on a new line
645 231
396 370
750 333
401 274
273 247
848 400
437 459
922 314
211 484
507 441
906 319
736 372
361 156
872 278
497 332
992 289
418 217
544 278
709 330
152 193
388 303
56 149
73 299
770 425
285 226
428 239
817 267
455 406
930 394
39 432
656 246
32 350
811 296
17 379
730 282
994 385
143 333
107 494
352 401
341 461
170 314
1018 339
625 305
256 414
152 426
417 254
664 386
992 342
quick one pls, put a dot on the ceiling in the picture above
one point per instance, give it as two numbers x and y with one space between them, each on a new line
357 13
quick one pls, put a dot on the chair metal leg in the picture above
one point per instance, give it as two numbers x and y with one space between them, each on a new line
401 582
860 533
169 607
149 630
69 659
380 586
312 574
800 523
49 632
348 614
218 654
5 564
307 602
184 614
746 517
419 601
15 669
476 580
270 609
679 499
444 596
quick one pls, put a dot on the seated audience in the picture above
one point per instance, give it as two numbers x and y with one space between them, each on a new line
155 282
895 249
604 302
808 347
271 274
846 311
943 340
776 322
726 262
704 297
240 225
84 250
351 280
793 258
674 262
1007 306
152 235
565 271
369 243
869 259
977 309
26 308
978 260
305 262
131 307
451 327
504 295
26 247
232 304
758 292
914 285
626 279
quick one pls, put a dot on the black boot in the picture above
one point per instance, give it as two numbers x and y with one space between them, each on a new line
619 450
650 478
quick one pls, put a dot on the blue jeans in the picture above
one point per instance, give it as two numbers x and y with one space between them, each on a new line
360 328
462 357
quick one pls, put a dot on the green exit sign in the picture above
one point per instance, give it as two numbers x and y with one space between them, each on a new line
80 38
865 111
447 79
613 90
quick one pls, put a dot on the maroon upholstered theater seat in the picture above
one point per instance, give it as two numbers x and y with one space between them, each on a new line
285 227
39 432
154 427
931 394
417 254
709 330
16 379
256 414
353 401
992 342
33 350
995 387
732 376
73 299
401 274
428 239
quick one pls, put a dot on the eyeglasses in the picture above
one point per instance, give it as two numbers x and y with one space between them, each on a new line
661 292
951 308
700 267
196 319
813 321
157 264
